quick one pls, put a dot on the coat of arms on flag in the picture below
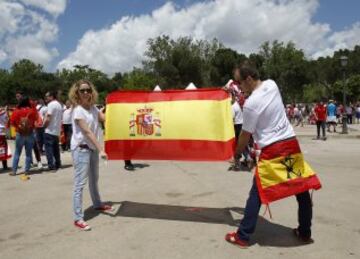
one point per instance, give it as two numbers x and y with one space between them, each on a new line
145 122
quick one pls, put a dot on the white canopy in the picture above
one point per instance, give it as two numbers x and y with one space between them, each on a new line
191 86
157 89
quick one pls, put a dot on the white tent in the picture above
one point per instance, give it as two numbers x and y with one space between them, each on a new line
157 89
191 86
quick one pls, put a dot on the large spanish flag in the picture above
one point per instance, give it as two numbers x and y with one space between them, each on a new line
282 172
193 125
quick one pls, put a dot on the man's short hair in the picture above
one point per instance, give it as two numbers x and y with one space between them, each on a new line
247 69
52 94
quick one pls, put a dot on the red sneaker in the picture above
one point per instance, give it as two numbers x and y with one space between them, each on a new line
235 240
82 225
105 208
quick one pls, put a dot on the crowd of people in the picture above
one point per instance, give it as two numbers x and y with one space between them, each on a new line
325 115
43 126
38 124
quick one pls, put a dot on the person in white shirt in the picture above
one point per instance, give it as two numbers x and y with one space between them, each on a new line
52 125
238 122
358 113
67 125
40 130
4 155
265 119
86 148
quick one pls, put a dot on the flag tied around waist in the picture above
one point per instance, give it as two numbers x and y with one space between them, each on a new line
282 172
193 125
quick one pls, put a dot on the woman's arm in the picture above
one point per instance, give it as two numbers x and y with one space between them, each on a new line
91 136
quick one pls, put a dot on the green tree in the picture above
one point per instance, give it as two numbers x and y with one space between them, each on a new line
223 63
177 63
139 79
287 66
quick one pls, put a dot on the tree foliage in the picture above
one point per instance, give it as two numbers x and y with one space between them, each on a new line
174 63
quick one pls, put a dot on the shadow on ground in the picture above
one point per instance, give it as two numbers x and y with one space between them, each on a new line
267 233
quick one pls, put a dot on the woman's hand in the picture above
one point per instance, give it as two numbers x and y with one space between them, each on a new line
103 155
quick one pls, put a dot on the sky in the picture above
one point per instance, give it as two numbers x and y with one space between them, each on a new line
111 35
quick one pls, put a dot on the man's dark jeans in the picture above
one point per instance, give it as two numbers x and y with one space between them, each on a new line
52 151
68 134
322 125
253 204
40 138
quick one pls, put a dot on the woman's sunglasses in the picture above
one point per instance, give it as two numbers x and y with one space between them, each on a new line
85 90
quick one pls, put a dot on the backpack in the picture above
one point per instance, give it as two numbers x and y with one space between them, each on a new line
24 127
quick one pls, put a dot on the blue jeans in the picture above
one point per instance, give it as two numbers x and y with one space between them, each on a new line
20 142
52 151
86 165
253 204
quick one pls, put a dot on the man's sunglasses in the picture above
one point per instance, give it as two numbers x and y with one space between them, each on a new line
85 90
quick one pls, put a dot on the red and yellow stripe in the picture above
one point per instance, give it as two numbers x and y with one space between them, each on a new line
194 125
282 172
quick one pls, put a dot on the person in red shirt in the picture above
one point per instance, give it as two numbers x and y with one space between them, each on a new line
320 117
23 119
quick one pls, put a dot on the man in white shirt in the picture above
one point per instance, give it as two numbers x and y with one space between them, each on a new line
4 155
52 124
40 130
238 122
265 119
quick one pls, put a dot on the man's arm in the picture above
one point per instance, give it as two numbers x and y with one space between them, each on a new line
242 143
102 115
47 120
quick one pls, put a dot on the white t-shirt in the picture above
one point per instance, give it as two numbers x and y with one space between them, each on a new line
42 109
54 109
348 110
237 113
3 122
91 117
296 111
67 116
264 115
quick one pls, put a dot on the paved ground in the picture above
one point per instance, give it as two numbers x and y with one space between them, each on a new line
180 210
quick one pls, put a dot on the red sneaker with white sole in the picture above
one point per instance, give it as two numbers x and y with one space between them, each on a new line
82 225
235 240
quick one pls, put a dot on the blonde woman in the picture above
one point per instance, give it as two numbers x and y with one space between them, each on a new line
86 148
